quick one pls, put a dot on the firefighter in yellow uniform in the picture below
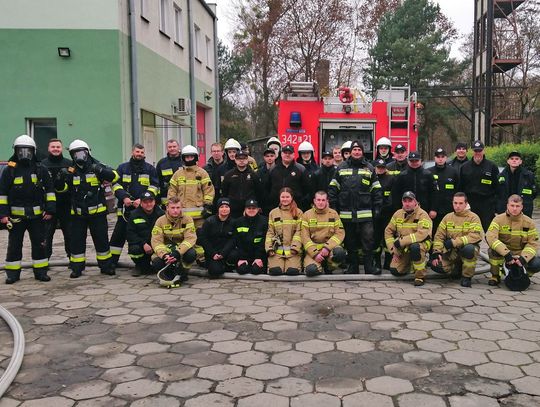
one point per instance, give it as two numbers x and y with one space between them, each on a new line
283 243
322 235
512 239
173 241
192 185
456 242
407 236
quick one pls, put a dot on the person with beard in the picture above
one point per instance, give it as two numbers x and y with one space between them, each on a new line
514 179
84 181
400 160
355 193
166 167
306 157
240 184
215 237
249 233
416 179
55 162
27 199
136 177
263 173
384 150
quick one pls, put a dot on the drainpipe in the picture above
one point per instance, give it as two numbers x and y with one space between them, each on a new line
216 80
192 74
135 109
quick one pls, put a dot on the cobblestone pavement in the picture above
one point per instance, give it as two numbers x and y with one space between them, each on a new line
102 341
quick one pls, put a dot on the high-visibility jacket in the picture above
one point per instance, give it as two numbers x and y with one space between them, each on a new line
248 234
85 187
192 185
170 234
26 191
396 167
135 178
445 182
283 233
139 228
321 228
521 182
516 234
409 228
165 168
463 228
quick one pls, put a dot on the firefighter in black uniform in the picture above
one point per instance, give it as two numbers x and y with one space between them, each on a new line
139 233
321 179
135 177
26 199
288 173
400 161
445 181
263 173
416 179
55 162
249 233
518 180
306 157
215 237
240 184
479 179
460 158
166 167
355 193
213 165
88 206
379 223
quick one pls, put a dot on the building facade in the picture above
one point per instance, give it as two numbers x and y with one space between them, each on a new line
110 72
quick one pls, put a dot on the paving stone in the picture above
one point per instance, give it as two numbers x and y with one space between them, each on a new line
90 389
220 372
117 360
189 388
355 346
50 320
176 337
519 400
193 318
420 400
264 400
73 305
218 336
156 401
273 346
435 345
175 373
490 388
105 401
422 356
148 348
472 400
315 346
240 387
488 334
248 358
509 357
124 374
527 385
209 400
105 349
388 385
498 371
478 345
292 358
519 345
296 335
466 357
367 399
289 386
339 386
334 336
395 346
449 335
158 360
278 326
408 371
267 371
204 359
231 347
409 335
315 400
190 347
42 402
137 389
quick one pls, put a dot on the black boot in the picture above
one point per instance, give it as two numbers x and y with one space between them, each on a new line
353 268
41 275
12 276
387 261
368 264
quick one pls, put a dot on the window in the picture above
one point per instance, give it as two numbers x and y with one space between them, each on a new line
178 26
164 16
144 9
197 44
42 130
209 53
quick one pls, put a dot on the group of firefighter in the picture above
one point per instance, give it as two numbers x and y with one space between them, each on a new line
283 216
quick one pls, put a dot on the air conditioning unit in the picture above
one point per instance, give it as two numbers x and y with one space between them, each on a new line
184 106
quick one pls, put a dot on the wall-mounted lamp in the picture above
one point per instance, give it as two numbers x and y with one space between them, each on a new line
207 94
64 52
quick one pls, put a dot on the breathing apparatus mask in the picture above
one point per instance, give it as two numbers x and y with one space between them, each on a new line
80 157
24 154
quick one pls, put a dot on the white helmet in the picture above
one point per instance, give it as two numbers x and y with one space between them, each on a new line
346 145
232 144
78 145
273 140
305 146
190 150
24 141
384 141
167 280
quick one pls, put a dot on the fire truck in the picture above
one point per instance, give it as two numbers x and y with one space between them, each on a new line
326 122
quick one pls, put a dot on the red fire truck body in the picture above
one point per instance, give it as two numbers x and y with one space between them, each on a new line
327 122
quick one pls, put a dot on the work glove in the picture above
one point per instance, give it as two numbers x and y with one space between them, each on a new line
448 245
508 257
397 244
207 211
434 256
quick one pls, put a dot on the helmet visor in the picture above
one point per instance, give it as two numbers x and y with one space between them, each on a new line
80 156
24 153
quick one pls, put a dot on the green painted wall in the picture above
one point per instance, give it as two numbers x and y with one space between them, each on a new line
84 92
